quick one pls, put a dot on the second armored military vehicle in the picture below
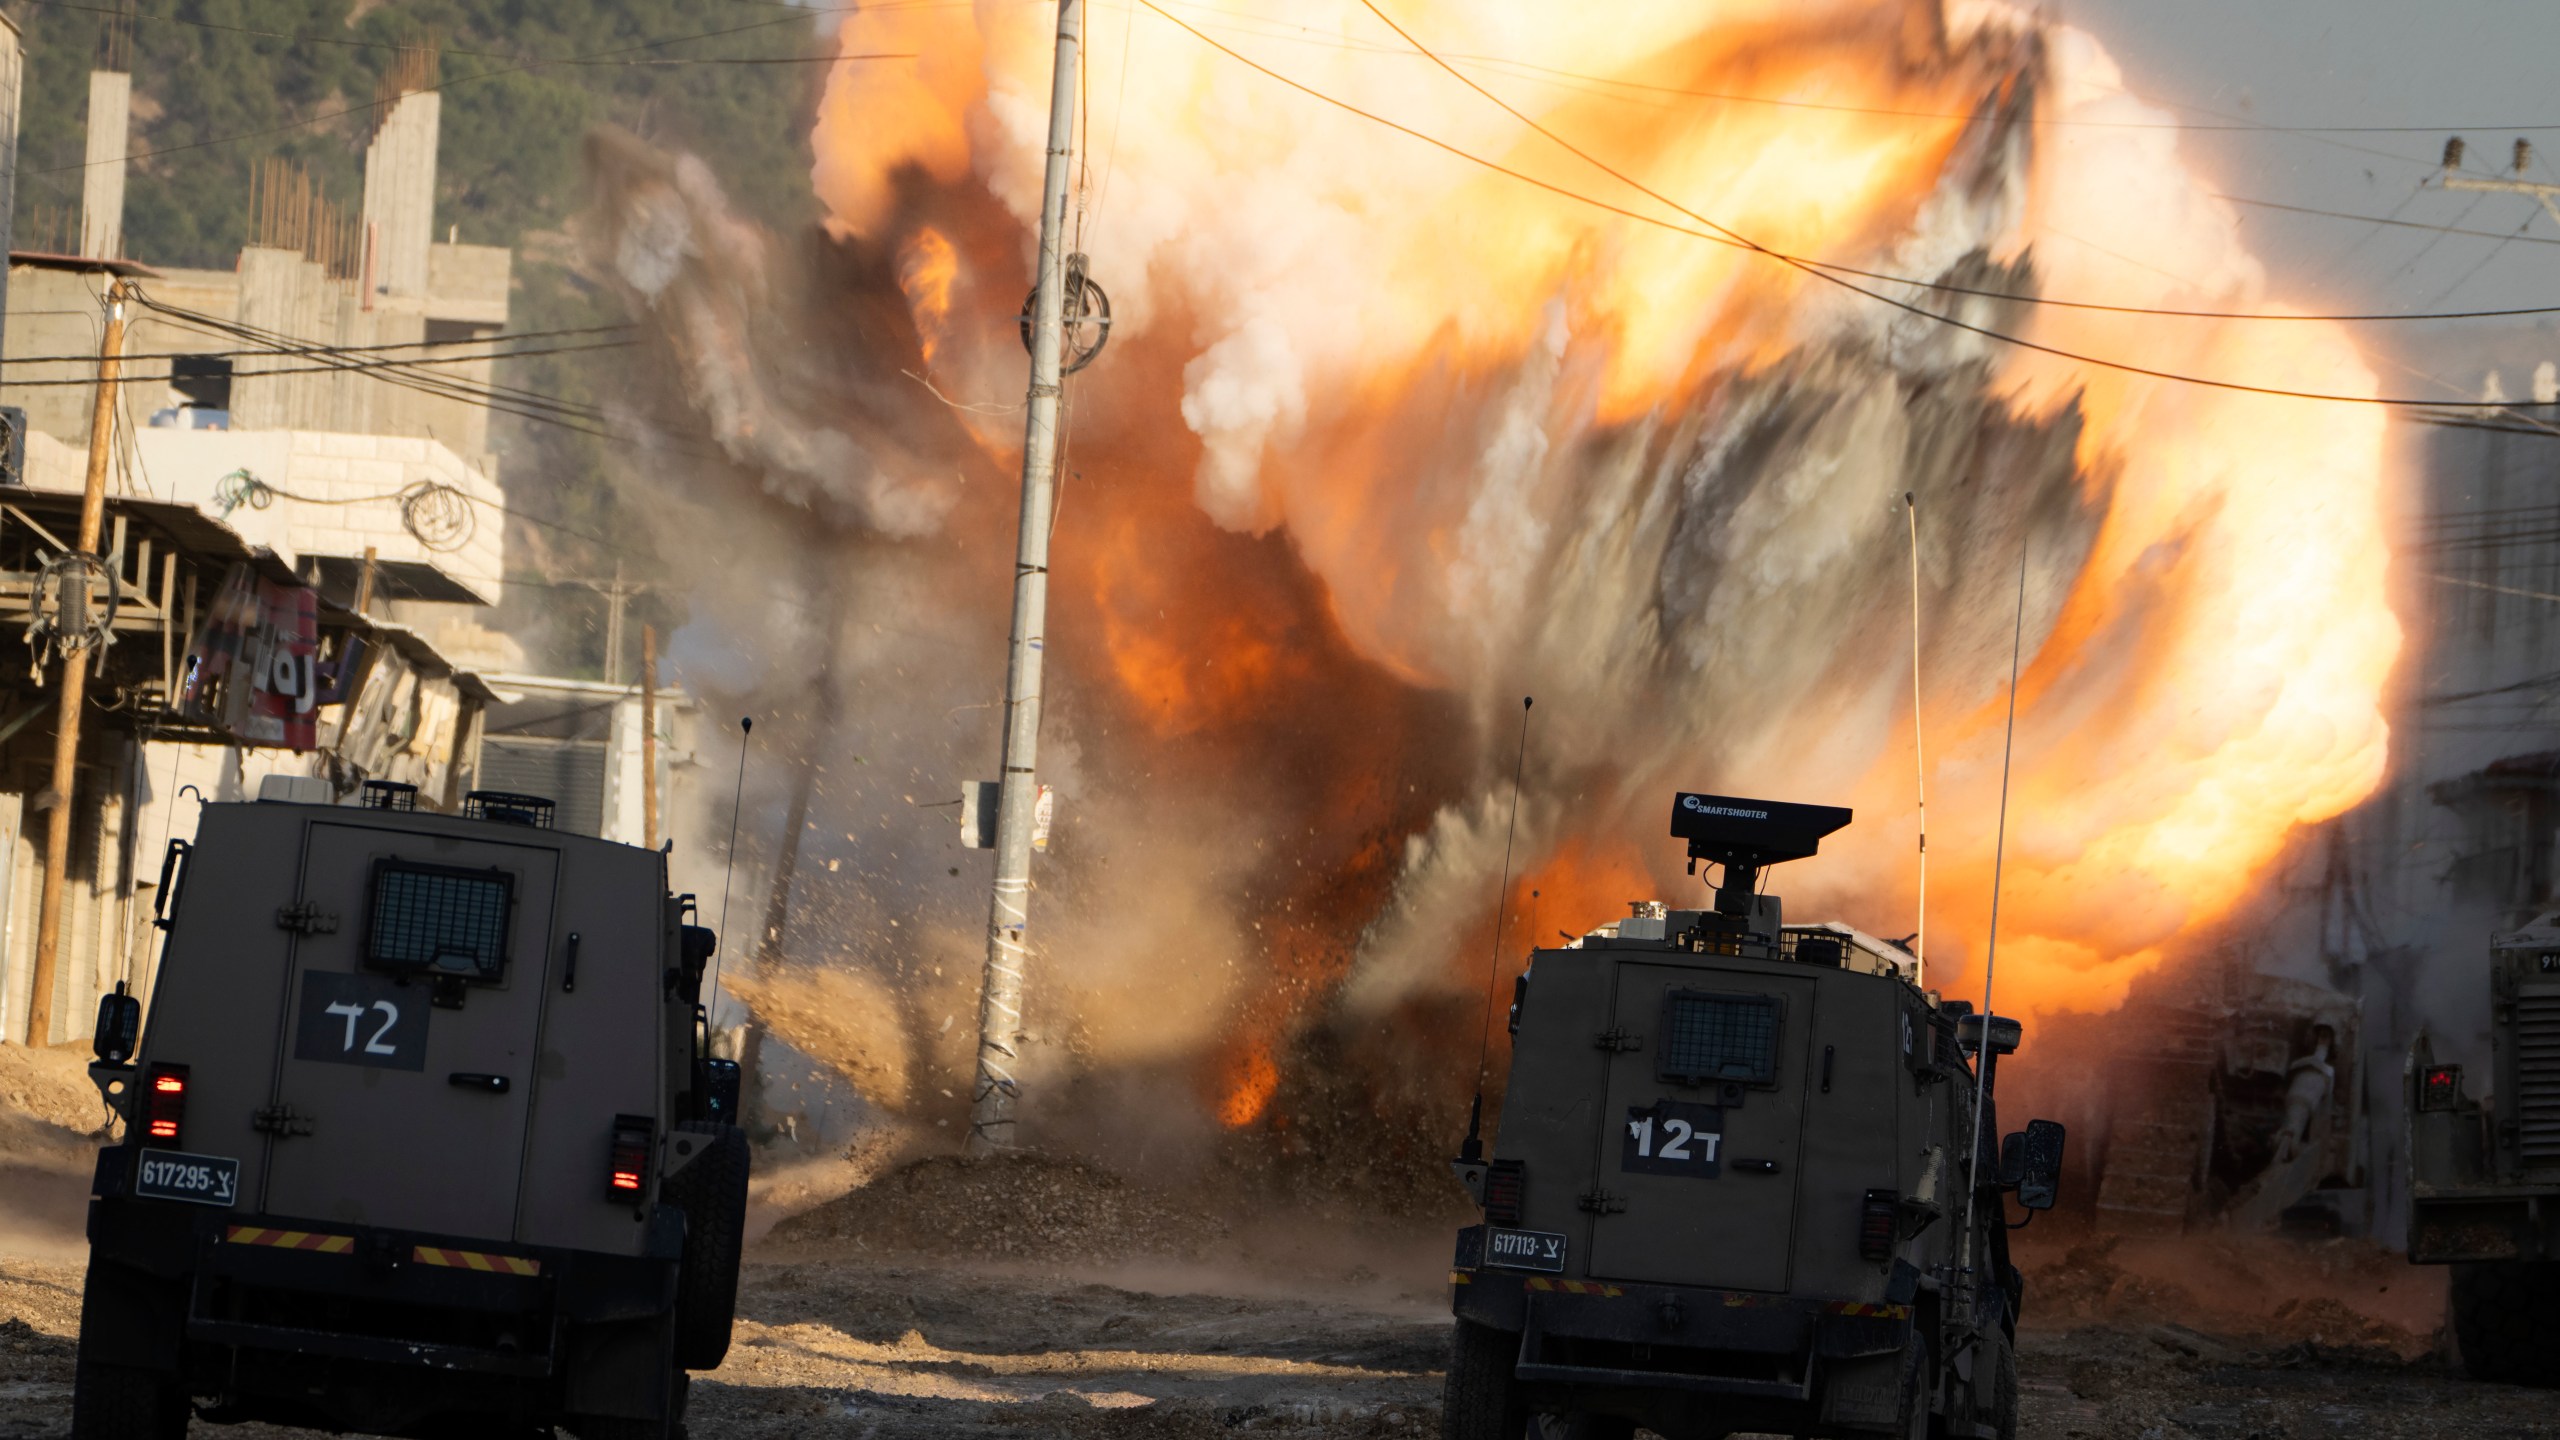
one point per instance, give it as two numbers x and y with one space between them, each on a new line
421 1138
1738 1183
2484 1172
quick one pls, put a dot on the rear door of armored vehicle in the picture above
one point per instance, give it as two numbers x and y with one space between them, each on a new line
1695 1176
413 1010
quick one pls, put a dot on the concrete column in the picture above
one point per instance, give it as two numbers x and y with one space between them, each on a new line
268 280
400 192
102 182
12 71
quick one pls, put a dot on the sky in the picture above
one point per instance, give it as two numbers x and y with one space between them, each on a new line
2474 69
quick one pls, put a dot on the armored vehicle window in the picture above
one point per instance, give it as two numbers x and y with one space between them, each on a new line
1719 1037
428 917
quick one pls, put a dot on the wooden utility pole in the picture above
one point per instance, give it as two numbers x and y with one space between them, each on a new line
75 680
649 736
998 1085
364 580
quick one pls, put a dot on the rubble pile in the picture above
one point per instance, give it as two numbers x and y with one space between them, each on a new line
1013 1207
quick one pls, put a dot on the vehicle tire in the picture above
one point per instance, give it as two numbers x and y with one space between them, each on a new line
118 1402
2506 1321
712 1192
1913 1420
1482 1398
1589 1427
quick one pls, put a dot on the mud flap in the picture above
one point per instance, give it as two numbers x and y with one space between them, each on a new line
131 1319
620 1370
1864 1393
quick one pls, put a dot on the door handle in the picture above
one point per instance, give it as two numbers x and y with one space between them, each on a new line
1757 1167
472 1080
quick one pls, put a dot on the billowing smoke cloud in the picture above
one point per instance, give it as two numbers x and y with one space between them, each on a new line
1385 440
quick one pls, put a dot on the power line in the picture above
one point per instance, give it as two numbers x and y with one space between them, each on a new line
1816 269
2385 220
92 359
352 366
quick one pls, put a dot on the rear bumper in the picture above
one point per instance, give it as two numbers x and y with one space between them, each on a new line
1584 1335
244 1305
2449 1225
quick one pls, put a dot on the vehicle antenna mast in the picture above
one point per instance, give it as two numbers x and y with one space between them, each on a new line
997 1085
1991 949
1919 754
1473 1149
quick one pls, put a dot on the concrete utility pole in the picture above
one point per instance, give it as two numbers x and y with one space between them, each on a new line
2549 195
992 1094
75 681
649 736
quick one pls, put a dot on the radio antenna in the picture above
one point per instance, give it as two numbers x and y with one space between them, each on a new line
1473 1149
1991 949
737 799
1919 755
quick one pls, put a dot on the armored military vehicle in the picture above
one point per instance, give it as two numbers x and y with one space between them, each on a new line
1737 1184
421 1138
2484 1173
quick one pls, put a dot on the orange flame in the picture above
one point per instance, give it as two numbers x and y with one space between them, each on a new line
1254 1078
1445 401
926 267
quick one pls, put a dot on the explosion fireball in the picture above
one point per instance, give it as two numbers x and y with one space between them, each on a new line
1389 436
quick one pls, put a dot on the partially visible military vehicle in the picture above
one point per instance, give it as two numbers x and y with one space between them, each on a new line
1736 1184
421 1140
2484 1174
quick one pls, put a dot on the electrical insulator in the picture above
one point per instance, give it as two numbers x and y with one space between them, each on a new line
2524 153
2453 153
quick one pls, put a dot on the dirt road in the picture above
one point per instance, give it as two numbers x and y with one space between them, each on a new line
857 1346
1109 1310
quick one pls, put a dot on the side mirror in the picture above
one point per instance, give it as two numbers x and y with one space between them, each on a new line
119 1027
697 945
2006 1032
2031 1164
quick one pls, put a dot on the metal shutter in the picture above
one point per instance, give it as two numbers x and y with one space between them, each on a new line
568 772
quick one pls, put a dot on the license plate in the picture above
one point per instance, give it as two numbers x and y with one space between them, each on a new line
1524 1250
199 1179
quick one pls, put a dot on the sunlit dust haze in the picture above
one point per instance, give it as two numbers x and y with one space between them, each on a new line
1386 439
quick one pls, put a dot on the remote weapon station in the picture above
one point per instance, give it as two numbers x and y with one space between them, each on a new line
1744 1179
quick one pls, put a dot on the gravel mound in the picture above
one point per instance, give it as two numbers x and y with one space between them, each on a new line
1013 1207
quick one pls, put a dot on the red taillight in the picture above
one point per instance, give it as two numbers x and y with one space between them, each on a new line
627 1167
164 1105
1506 1192
1879 1224
2440 1087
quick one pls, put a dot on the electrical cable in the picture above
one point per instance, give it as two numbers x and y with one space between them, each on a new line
353 366
91 358
1816 269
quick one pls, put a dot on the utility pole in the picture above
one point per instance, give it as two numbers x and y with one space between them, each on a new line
613 627
993 1092
649 736
2549 195
75 679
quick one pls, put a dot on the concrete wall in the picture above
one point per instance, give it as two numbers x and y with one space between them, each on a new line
400 193
102 181
349 486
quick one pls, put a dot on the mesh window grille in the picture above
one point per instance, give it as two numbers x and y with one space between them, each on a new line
427 919
1720 1037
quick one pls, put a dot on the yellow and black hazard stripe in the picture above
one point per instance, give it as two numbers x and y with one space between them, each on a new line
1873 1312
486 1264
289 1239
1574 1287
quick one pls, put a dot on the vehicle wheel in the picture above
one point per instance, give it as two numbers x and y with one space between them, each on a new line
1589 1427
1918 1381
117 1402
2506 1320
1482 1399
712 1192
